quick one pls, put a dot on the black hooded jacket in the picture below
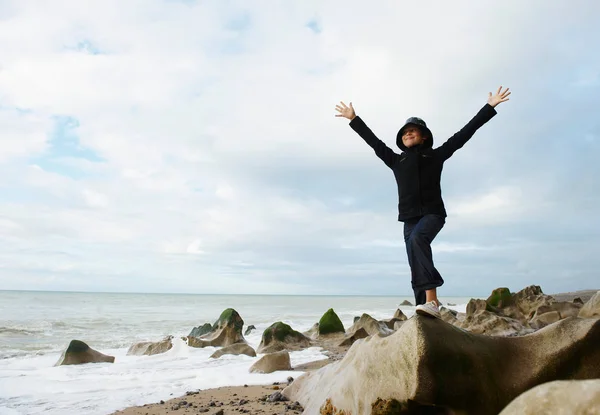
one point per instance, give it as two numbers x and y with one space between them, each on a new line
418 170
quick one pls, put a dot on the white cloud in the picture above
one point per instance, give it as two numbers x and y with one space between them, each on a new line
95 199
23 133
220 144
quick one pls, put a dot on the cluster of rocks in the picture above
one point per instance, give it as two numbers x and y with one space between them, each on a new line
511 314
473 362
502 314
498 357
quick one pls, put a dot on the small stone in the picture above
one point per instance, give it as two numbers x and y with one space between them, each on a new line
162 402
220 412
290 379
276 397
245 386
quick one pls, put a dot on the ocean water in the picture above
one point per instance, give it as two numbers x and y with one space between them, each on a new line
36 327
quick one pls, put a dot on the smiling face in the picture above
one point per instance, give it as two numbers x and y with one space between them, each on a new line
412 136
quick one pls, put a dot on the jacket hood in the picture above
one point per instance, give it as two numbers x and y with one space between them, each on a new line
418 122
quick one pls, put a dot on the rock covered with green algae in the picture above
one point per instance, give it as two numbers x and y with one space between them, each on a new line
201 330
227 330
280 336
500 297
330 323
79 353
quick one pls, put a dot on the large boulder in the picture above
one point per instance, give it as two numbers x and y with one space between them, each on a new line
591 309
226 331
79 353
558 397
370 325
272 362
508 314
150 348
280 336
528 300
430 362
330 323
235 349
482 318
551 313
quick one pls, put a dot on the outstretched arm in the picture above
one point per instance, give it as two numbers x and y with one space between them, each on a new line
483 116
385 153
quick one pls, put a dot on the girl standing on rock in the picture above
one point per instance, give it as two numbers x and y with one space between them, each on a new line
418 170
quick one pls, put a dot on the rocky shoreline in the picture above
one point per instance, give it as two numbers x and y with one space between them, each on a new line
427 355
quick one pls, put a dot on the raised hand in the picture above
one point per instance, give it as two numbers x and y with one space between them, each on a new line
344 111
499 97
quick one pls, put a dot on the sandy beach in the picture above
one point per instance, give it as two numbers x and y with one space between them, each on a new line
247 399
222 401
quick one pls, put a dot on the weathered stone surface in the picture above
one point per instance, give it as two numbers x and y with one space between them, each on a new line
313 332
79 353
272 362
201 330
449 316
545 319
280 336
390 324
482 318
529 299
563 308
398 324
151 348
399 315
370 325
226 331
591 309
235 349
358 334
558 397
430 362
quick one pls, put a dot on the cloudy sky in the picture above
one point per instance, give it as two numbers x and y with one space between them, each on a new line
191 146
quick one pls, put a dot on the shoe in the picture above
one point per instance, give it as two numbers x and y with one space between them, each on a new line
429 309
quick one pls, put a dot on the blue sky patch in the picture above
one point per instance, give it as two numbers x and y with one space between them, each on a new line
63 145
314 26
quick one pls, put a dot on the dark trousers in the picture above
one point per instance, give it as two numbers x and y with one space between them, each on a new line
418 234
